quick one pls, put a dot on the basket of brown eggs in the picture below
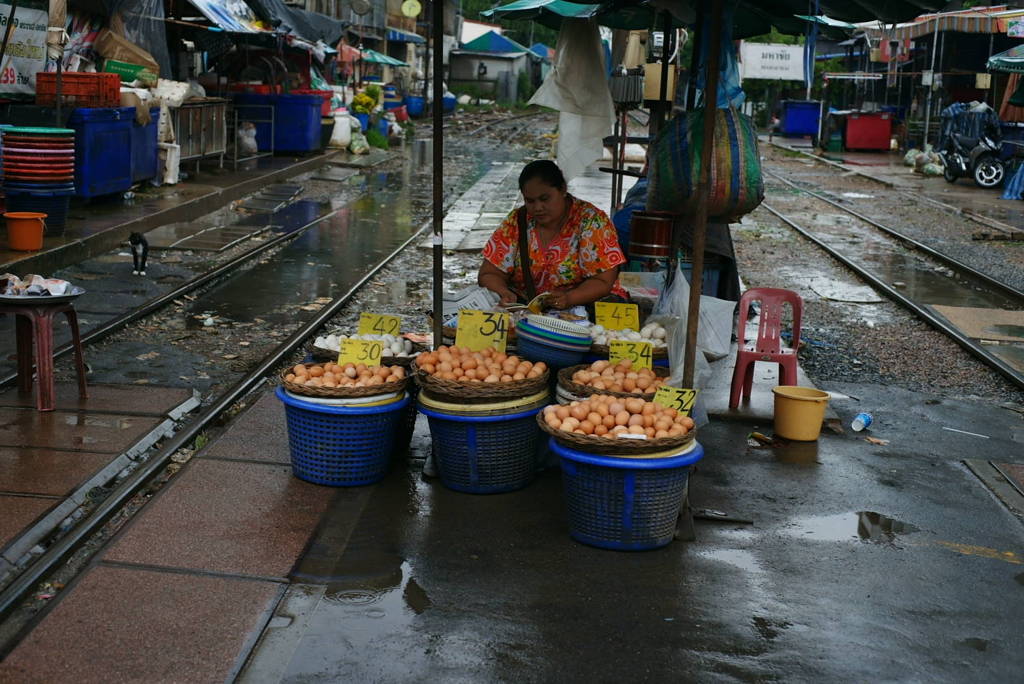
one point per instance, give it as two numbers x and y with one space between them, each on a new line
330 380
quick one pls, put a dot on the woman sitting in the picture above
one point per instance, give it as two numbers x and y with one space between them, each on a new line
571 247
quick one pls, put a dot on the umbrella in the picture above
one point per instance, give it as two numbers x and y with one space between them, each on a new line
545 12
1011 61
379 58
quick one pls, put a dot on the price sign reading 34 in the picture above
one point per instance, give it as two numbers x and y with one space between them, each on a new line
367 352
481 329
640 353
676 398
614 316
379 324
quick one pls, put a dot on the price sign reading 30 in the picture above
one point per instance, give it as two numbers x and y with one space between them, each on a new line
640 353
481 329
676 398
367 352
379 324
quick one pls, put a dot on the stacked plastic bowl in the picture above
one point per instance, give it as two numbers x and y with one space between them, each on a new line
556 342
39 172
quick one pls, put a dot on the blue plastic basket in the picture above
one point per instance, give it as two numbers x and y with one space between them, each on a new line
484 454
626 504
54 204
341 446
553 356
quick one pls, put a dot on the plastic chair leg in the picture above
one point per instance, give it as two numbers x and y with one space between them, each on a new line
787 371
748 379
25 346
76 340
737 385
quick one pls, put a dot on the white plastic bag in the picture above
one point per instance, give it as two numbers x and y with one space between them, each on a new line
714 330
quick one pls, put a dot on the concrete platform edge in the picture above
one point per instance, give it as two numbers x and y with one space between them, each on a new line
104 241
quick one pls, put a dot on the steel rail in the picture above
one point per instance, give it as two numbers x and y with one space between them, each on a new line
919 246
63 548
163 300
966 342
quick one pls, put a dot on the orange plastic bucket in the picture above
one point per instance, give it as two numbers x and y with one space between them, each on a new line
25 230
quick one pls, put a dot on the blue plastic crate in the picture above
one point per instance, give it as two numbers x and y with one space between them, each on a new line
484 454
102 137
626 504
54 204
144 148
341 446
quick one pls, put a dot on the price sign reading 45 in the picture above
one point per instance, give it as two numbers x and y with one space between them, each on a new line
481 329
368 352
674 397
379 324
614 316
640 353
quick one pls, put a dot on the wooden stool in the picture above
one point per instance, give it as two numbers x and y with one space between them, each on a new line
34 324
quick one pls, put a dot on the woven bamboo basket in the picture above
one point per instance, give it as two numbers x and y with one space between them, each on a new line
604 351
566 382
479 392
620 446
341 392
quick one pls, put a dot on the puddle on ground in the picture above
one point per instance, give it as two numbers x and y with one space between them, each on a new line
797 453
976 644
1007 330
1019 577
863 525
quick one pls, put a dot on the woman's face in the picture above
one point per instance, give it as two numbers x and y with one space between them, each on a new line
545 203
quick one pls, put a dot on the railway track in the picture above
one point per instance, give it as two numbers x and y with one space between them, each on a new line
888 260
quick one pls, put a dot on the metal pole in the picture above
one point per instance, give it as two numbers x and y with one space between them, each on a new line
663 108
700 224
928 100
438 171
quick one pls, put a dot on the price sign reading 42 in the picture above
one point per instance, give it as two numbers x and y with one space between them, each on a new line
481 329
674 397
367 352
379 324
614 316
640 353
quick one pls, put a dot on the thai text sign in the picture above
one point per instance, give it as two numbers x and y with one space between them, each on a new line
26 50
772 61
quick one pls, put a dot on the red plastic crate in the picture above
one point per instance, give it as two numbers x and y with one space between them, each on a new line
79 89
868 131
325 109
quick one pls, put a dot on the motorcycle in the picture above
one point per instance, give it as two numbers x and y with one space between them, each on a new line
977 158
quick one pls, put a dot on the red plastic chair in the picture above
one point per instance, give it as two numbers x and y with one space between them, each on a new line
768 346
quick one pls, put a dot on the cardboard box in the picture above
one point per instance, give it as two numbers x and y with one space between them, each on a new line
109 45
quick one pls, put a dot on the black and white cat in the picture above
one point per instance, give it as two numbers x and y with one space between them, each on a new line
140 250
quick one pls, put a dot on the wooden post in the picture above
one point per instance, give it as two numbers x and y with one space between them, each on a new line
700 221
438 171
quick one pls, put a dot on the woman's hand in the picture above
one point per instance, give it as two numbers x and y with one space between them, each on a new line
559 300
507 297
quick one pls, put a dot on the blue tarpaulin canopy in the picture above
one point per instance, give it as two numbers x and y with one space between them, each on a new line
400 36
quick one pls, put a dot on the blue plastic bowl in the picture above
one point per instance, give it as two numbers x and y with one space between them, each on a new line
625 504
484 454
341 446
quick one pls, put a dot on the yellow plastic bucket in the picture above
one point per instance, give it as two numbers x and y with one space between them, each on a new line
799 412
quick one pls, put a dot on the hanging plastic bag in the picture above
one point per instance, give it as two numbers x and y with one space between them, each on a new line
735 186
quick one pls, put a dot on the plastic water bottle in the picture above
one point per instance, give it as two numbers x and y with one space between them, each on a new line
861 421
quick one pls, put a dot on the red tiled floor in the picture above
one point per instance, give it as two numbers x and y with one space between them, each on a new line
106 433
18 512
224 516
135 625
259 434
130 399
44 471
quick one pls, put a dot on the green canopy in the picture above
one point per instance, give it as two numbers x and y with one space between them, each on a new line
379 58
545 12
1011 61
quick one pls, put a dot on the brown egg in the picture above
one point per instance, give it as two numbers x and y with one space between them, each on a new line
650 432
290 377
628 385
600 430
578 412
649 409
562 412
688 423
660 434
635 420
616 407
587 427
316 371
300 370
634 405
506 378
518 375
637 430
622 418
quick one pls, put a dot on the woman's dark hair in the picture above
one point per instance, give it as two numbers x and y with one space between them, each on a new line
545 170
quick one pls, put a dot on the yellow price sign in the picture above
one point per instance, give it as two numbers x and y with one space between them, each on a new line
640 353
481 329
614 316
676 398
379 324
367 352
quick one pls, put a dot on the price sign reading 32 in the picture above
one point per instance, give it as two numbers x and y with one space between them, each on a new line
367 352
640 353
379 324
676 398
481 329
